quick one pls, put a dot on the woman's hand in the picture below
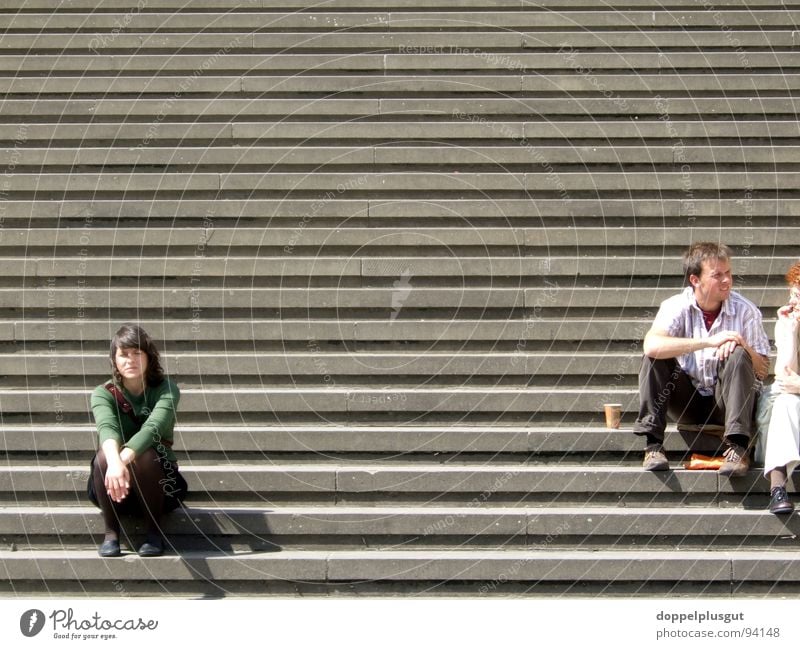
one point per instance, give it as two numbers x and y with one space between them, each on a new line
788 311
118 481
789 381
791 310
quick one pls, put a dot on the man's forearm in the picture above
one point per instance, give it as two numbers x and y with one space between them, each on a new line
661 347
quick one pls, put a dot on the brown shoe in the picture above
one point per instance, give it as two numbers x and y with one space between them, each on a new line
736 462
655 459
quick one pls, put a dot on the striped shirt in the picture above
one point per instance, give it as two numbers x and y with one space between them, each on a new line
680 317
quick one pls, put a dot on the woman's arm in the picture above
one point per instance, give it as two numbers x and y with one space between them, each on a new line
786 331
157 428
117 478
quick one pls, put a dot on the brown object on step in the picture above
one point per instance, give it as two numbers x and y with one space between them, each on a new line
698 462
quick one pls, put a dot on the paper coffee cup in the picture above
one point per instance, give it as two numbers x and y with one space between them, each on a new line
613 414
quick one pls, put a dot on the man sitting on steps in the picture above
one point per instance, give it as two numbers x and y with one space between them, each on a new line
704 358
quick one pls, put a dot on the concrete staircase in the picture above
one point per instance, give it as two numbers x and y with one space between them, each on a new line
397 255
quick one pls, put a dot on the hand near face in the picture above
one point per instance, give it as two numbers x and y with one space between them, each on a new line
791 310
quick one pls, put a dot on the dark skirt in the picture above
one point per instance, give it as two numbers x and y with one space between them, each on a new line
175 490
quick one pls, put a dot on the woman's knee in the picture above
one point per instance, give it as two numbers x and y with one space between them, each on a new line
786 402
100 463
148 455
146 462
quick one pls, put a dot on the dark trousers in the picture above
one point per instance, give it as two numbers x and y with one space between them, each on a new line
666 391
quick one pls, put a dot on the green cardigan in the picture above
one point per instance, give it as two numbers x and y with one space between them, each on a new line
156 407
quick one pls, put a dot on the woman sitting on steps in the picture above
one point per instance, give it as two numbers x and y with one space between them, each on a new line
135 470
779 406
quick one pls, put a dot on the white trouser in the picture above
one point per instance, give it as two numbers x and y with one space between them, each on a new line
783 435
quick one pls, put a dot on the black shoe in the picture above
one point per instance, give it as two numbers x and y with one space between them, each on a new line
152 548
780 503
109 548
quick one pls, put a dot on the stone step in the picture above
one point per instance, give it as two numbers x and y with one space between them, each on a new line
466 183
646 62
92 214
126 110
201 241
652 155
25 525
606 209
398 440
221 332
489 17
400 402
64 184
201 6
155 64
383 300
457 127
547 482
407 42
508 84
457 108
225 156
494 269
393 155
493 566
283 42
633 108
648 39
318 363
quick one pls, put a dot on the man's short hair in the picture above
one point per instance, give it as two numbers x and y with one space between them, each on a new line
702 251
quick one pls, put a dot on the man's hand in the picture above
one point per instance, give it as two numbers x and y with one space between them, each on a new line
659 344
726 342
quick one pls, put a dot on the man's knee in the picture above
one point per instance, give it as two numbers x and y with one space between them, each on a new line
739 364
740 355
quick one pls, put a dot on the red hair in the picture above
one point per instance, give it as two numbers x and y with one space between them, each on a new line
793 276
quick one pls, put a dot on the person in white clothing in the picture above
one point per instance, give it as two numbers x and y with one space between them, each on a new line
782 424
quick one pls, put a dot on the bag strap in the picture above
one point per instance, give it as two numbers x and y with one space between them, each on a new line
123 404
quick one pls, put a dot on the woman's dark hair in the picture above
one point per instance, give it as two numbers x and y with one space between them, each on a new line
131 336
